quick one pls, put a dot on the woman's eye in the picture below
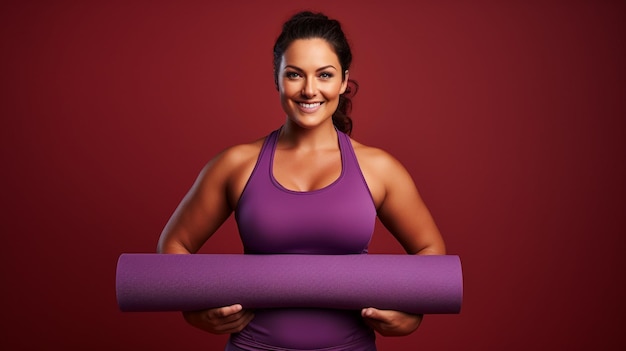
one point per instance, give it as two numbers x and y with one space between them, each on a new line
326 75
292 75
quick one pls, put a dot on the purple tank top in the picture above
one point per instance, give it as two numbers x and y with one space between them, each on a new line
337 219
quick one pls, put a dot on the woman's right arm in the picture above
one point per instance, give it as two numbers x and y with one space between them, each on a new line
201 212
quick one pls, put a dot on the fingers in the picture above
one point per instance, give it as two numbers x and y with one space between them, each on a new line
389 322
373 313
233 323
222 320
224 312
377 319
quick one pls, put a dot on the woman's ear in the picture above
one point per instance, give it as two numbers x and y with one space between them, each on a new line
344 84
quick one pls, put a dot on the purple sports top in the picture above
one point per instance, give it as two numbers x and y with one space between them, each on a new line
337 219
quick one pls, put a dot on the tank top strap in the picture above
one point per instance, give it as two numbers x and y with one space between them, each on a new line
350 162
267 152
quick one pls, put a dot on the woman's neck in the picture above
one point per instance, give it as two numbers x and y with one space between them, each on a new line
320 137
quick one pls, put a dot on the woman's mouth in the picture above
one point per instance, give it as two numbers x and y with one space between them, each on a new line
309 107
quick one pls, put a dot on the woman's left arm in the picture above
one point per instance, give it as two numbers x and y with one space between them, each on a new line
403 212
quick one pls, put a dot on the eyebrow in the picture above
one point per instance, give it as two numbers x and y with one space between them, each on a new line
317 70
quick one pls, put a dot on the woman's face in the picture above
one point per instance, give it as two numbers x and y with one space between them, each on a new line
310 82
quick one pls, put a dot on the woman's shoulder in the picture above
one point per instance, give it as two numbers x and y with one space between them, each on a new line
237 155
380 169
230 169
374 157
239 152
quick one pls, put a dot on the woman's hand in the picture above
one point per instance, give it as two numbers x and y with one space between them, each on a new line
391 323
223 320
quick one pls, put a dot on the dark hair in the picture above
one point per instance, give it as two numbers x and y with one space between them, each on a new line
308 25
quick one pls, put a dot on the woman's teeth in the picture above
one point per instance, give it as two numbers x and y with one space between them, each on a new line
313 105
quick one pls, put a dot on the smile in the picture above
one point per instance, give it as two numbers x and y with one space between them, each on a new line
309 106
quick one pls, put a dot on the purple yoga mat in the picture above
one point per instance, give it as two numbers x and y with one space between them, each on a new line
409 283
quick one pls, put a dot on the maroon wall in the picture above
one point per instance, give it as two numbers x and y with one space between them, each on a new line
510 115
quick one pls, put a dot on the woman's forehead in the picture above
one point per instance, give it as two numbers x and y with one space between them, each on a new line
314 51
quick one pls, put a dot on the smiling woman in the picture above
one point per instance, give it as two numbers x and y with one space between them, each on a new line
307 188
323 32
311 82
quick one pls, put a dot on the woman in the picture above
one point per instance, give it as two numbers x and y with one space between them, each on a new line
307 188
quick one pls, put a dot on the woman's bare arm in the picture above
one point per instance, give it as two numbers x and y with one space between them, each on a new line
403 212
205 207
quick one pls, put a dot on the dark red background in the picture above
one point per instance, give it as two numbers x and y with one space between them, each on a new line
510 115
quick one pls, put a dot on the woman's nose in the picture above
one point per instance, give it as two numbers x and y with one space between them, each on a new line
309 89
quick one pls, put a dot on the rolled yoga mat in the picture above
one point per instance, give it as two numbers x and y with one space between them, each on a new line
170 282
